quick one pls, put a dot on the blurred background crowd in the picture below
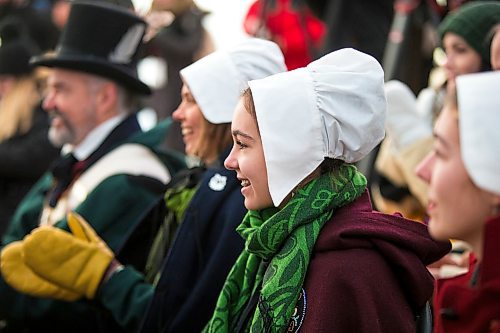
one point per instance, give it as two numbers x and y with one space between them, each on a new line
402 35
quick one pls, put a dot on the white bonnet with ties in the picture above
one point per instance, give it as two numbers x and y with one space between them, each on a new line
217 80
335 107
479 121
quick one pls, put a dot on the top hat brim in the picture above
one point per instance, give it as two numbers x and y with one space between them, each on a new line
95 66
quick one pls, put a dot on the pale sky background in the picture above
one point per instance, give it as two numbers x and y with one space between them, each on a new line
225 21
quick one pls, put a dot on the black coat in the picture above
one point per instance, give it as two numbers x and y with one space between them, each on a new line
23 159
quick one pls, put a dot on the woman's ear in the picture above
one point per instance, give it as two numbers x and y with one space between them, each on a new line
495 210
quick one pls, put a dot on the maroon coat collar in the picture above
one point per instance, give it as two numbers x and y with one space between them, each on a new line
490 265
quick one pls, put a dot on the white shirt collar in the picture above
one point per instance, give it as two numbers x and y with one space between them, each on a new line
94 139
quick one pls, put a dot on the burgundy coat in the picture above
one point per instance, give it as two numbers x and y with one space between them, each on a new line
471 302
367 273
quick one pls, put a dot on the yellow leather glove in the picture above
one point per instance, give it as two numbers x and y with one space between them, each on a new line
76 261
21 277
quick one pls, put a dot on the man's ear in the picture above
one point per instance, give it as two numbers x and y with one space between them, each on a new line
107 100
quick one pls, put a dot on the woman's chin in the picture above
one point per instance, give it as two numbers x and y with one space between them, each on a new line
436 231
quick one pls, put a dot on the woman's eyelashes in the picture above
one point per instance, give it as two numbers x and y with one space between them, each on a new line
240 144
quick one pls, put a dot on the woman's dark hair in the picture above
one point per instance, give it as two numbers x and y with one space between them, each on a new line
329 165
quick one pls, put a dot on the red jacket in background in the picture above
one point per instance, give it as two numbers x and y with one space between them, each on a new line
471 302
298 32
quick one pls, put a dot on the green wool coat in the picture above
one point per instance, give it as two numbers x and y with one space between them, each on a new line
118 208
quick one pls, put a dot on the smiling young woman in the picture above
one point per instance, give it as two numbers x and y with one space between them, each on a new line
313 242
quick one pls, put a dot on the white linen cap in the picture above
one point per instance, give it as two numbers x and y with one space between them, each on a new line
479 110
217 80
335 107
404 123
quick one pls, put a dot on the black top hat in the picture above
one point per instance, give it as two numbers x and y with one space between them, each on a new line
16 47
101 39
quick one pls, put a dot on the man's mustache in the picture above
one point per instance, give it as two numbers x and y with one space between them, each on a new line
53 113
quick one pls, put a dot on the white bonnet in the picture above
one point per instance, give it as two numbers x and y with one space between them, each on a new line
217 80
335 107
479 121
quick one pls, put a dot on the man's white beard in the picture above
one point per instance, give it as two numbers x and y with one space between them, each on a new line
60 137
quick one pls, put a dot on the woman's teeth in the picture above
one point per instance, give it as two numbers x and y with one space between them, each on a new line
245 182
186 131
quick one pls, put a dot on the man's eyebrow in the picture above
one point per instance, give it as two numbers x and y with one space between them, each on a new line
240 133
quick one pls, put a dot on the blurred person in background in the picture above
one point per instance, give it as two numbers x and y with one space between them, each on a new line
178 38
39 26
363 24
464 38
409 122
464 202
25 150
290 24
59 10
395 186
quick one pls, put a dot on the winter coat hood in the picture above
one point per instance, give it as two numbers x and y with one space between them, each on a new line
405 244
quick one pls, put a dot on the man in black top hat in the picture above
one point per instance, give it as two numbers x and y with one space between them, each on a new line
113 174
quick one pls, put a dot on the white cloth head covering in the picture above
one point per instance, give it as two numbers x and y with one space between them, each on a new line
404 123
479 110
217 80
335 107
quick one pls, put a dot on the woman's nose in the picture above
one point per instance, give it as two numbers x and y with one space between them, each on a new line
231 162
424 168
178 114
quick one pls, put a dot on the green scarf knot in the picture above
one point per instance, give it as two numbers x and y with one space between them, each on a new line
286 239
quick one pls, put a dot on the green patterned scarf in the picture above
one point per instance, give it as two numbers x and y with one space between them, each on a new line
286 239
